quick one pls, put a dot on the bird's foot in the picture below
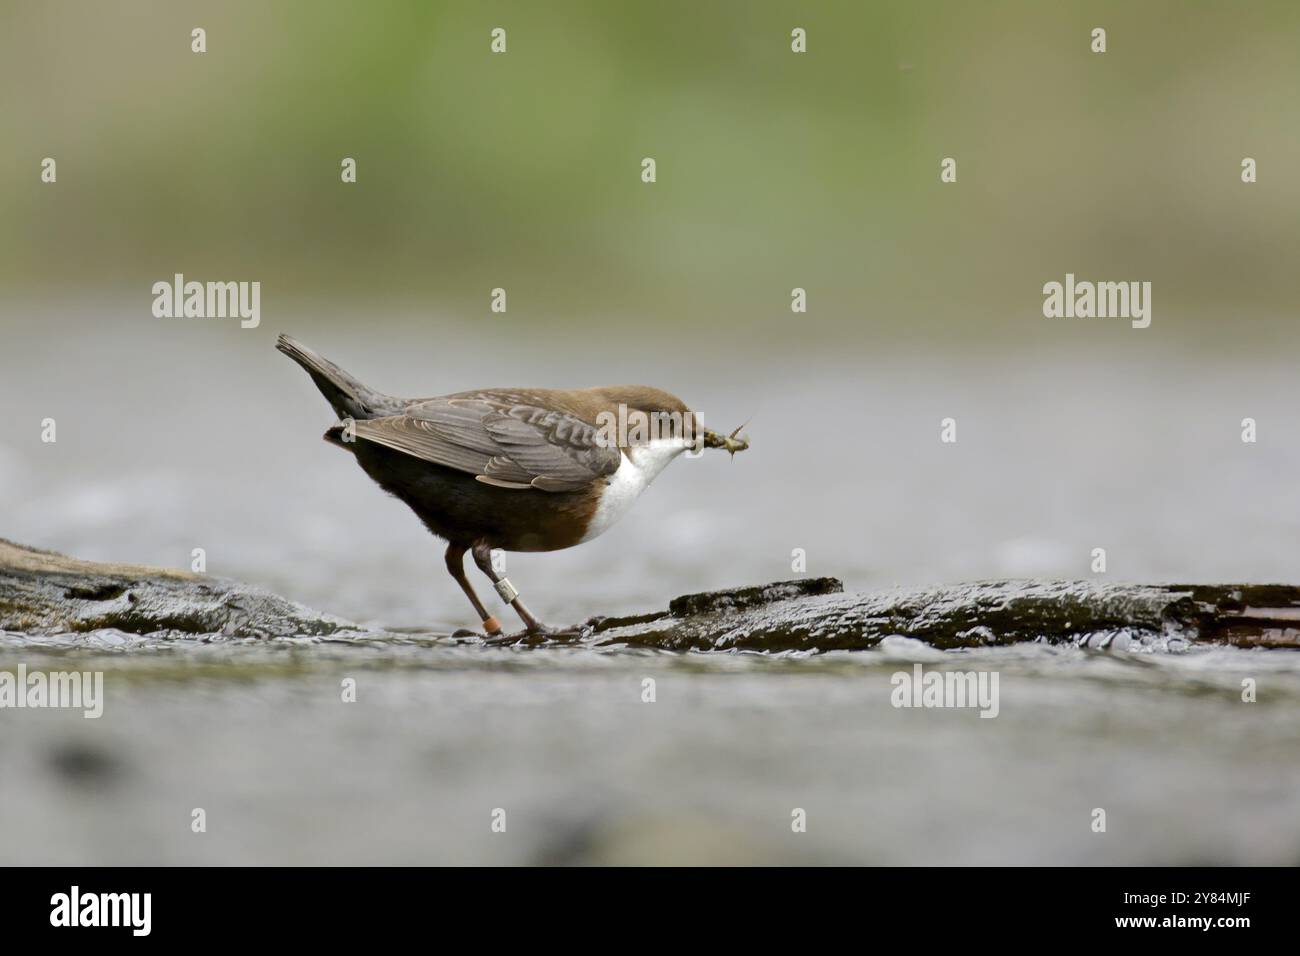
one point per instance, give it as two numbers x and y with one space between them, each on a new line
538 634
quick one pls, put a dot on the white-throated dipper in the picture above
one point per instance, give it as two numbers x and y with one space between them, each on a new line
517 469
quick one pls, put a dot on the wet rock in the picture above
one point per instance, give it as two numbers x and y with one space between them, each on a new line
735 599
966 615
46 593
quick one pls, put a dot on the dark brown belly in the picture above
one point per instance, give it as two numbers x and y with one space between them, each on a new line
457 507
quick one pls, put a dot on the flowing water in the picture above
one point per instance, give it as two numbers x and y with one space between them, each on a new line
209 439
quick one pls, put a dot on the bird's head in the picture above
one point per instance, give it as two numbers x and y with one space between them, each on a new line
644 416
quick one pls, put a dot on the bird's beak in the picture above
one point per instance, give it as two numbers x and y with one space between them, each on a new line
733 443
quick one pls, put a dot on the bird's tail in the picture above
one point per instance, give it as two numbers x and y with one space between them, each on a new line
347 396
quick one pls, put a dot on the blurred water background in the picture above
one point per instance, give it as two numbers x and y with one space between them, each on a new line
775 171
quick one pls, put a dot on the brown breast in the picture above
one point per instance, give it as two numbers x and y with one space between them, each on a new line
458 508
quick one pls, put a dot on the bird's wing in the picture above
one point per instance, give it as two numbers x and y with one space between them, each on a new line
503 443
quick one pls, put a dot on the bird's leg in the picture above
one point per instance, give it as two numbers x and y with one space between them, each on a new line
483 558
456 565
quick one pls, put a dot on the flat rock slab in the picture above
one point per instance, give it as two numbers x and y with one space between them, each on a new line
46 593
815 615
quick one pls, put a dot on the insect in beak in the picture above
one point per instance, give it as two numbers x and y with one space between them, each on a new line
731 443
736 442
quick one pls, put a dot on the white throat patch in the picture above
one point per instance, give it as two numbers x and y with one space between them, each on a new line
641 464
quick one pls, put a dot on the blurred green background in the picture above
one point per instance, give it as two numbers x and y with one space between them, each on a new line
775 170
